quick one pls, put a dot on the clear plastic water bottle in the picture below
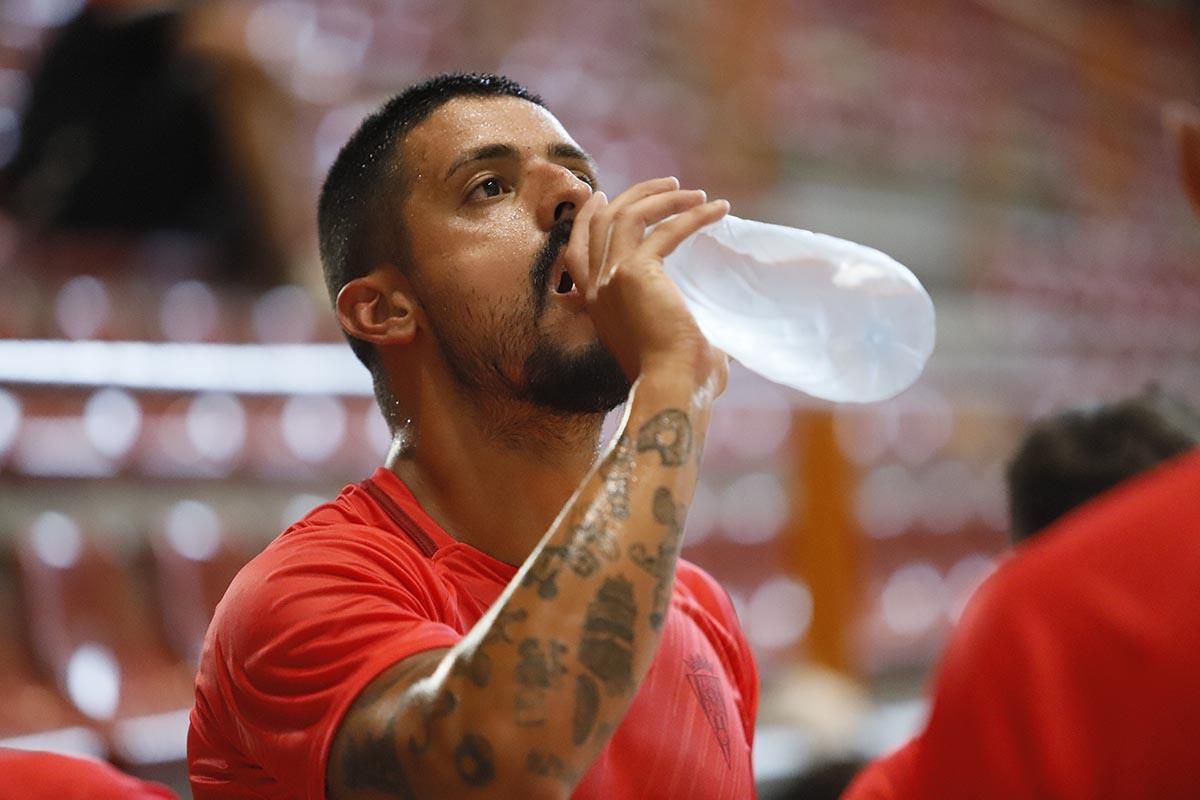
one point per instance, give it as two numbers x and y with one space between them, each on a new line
832 318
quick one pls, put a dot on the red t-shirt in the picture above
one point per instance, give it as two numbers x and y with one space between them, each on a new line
369 580
27 775
1076 670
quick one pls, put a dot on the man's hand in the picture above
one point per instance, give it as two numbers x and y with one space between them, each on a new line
639 313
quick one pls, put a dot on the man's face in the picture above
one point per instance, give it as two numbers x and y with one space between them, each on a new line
493 186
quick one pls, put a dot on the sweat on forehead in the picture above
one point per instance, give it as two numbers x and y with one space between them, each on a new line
474 129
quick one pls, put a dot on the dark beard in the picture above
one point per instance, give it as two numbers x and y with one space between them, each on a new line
589 381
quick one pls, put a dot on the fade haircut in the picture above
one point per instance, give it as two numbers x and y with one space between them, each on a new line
1070 458
358 220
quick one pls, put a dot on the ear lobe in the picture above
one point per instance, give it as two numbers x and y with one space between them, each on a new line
370 309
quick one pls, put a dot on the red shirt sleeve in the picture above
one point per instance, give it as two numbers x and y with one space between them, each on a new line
302 630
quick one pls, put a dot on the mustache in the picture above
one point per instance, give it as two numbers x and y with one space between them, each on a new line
539 274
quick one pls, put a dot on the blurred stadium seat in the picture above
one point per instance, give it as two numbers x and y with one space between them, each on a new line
93 630
195 559
33 713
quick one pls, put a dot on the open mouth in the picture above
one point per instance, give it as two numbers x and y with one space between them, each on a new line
549 274
565 283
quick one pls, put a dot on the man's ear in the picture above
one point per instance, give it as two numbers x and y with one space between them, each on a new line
379 307
1183 121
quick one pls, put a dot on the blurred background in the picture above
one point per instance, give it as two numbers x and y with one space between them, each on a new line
174 391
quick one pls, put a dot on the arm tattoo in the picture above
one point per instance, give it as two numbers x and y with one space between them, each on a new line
590 541
544 572
499 631
476 666
473 760
616 471
371 763
549 765
606 647
538 671
670 433
443 705
587 705
661 564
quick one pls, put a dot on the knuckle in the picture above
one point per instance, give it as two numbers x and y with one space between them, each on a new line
623 214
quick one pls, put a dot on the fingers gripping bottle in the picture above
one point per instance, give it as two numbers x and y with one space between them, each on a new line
832 318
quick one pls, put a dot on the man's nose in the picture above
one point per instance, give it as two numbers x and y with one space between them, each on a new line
565 194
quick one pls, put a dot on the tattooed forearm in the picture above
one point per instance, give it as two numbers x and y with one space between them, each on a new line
670 434
589 543
616 472
540 670
499 630
544 572
587 704
476 665
474 761
662 563
371 763
606 647
549 765
442 706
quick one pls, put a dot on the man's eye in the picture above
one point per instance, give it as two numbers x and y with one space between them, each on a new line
492 187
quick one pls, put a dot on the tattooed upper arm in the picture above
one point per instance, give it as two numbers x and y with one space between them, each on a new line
365 757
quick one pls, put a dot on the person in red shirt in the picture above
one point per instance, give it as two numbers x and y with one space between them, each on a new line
500 610
1073 672
32 775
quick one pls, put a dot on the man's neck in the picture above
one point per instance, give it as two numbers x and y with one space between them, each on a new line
496 487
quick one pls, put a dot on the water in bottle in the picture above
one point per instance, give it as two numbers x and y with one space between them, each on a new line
832 318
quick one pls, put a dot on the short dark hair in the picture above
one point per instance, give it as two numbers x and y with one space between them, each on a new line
364 184
1070 458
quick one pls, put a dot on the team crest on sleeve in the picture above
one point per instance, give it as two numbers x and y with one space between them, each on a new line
711 695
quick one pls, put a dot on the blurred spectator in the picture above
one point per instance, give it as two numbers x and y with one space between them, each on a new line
27 775
143 118
1067 459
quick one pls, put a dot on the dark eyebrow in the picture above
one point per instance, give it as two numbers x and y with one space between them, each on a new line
484 153
561 150
571 152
